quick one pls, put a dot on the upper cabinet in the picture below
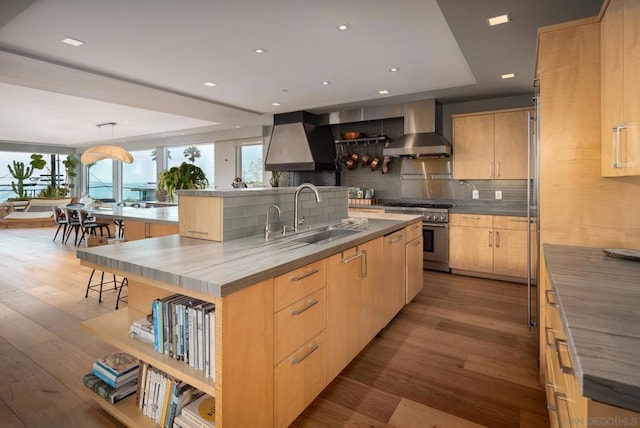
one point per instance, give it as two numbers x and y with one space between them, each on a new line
491 145
620 88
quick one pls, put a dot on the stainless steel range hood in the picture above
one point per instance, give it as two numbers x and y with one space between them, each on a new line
422 132
299 144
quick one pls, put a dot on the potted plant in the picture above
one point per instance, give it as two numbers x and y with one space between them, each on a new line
21 172
70 164
185 176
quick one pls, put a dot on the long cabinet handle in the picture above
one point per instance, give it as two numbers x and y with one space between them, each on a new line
313 348
490 169
490 238
305 308
363 265
550 406
550 297
352 258
470 218
616 145
563 368
497 239
306 275
398 239
416 242
197 232
498 169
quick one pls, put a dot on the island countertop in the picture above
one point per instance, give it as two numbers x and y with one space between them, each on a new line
221 268
164 215
598 298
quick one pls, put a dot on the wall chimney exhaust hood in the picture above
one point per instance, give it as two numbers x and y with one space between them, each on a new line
422 132
299 144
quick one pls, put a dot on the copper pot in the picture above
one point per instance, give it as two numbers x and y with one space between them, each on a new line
351 164
385 164
374 163
355 156
366 159
351 135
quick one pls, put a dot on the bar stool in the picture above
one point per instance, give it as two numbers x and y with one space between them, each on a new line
99 286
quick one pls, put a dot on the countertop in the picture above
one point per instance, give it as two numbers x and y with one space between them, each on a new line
516 209
221 268
599 301
165 215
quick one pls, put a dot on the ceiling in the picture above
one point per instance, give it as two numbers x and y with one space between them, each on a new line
144 62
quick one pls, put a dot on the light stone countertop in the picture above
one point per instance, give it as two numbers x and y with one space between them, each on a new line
164 215
599 302
221 268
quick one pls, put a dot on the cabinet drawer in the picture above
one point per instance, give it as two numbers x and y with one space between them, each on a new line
299 322
471 220
293 286
510 223
413 231
299 379
200 217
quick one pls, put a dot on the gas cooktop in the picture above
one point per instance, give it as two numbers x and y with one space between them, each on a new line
417 205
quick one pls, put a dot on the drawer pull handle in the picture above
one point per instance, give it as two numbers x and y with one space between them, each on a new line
550 343
490 239
297 361
352 258
306 275
563 368
398 239
497 239
306 308
416 242
550 297
470 218
197 232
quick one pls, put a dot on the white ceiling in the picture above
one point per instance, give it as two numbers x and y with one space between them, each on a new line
144 61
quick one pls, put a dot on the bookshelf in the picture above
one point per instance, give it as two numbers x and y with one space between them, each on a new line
126 411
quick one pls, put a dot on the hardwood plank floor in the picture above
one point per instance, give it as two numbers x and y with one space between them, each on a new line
459 355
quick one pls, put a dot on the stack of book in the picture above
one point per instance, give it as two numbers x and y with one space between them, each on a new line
142 330
201 413
161 397
184 329
114 376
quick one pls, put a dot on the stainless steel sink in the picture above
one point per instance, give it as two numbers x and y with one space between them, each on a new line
325 235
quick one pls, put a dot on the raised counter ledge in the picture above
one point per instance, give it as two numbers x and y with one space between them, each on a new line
598 298
221 268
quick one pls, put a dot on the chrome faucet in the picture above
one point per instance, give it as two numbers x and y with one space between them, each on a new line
267 226
314 189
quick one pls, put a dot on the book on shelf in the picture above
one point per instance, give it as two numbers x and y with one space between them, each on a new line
184 329
162 396
106 391
114 381
118 363
181 421
142 330
201 411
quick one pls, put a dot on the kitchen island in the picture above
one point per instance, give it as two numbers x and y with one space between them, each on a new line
592 335
140 223
290 313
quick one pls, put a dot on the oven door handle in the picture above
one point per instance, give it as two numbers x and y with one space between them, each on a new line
444 225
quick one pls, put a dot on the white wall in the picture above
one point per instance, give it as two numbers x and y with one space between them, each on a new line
225 164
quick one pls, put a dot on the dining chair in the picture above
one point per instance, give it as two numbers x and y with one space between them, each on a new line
73 223
61 221
89 225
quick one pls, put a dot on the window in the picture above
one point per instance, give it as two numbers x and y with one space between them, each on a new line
40 178
139 177
250 164
100 179
201 155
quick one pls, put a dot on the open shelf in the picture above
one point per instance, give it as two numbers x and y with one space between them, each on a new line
113 328
370 140
126 411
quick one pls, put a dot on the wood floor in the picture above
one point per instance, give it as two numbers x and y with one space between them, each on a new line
459 355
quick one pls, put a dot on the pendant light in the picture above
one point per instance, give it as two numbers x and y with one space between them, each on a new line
100 152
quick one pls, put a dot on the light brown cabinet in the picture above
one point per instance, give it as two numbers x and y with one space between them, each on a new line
488 244
201 217
620 89
491 145
134 230
413 261
393 275
353 307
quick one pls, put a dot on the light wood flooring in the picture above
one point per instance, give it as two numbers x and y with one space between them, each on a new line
459 355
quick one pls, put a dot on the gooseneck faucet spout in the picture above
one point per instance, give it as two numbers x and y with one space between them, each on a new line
267 226
314 189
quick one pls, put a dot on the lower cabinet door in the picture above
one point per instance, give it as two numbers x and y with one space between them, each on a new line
299 379
414 268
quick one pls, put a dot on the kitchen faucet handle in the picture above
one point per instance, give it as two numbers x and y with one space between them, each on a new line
286 229
301 221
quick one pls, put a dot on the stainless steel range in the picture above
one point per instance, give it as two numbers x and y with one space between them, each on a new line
435 231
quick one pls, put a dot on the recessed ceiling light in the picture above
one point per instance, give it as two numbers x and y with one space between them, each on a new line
508 76
343 27
73 42
326 82
497 20
237 126
210 84
394 69
260 51
383 92
276 104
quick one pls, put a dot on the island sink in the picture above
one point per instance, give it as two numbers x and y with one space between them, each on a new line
326 235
